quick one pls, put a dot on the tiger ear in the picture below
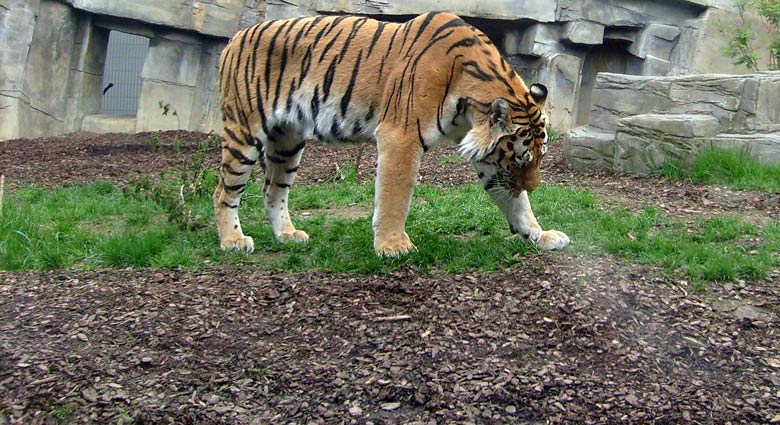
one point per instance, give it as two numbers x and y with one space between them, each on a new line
499 113
539 94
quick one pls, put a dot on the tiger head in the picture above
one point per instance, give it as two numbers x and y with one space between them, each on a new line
512 138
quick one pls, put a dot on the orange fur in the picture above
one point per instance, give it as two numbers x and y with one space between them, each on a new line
404 86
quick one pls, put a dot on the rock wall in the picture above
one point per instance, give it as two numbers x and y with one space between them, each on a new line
53 54
45 73
220 18
637 124
566 43
53 51
17 25
493 9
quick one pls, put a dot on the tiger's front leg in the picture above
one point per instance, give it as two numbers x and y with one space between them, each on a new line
398 164
525 223
518 213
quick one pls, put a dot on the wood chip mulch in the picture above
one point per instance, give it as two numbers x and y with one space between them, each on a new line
563 338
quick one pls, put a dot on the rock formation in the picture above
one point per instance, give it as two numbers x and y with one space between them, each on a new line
637 124
53 52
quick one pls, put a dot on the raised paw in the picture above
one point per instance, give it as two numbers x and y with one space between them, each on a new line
394 246
552 239
294 236
241 243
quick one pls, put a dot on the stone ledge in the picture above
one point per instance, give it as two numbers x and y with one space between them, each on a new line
644 143
538 10
678 125
220 19
589 148
634 155
761 147
583 32
108 124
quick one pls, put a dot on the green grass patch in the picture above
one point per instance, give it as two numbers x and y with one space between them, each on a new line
63 413
553 134
452 159
455 229
729 167
99 225
713 249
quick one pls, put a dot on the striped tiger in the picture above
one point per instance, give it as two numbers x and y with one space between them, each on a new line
404 86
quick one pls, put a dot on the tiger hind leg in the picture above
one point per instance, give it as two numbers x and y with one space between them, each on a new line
238 158
283 156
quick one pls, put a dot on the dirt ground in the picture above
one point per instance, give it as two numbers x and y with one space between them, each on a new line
562 337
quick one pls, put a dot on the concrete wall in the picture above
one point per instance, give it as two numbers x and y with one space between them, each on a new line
53 51
565 43
53 56
210 17
48 80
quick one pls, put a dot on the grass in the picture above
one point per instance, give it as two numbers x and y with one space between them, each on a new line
729 167
451 159
712 249
553 134
100 225
62 413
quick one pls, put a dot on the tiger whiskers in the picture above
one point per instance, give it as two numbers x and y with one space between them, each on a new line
501 193
505 180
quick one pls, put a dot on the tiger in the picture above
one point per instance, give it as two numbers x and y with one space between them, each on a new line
405 87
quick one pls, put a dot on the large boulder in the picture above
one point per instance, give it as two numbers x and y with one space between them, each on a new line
637 124
589 148
644 143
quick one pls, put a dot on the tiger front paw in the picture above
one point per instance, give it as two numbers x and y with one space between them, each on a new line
552 239
394 246
241 243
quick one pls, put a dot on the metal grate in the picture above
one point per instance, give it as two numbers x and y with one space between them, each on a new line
122 72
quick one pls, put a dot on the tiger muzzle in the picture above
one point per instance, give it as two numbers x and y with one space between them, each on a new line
525 177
